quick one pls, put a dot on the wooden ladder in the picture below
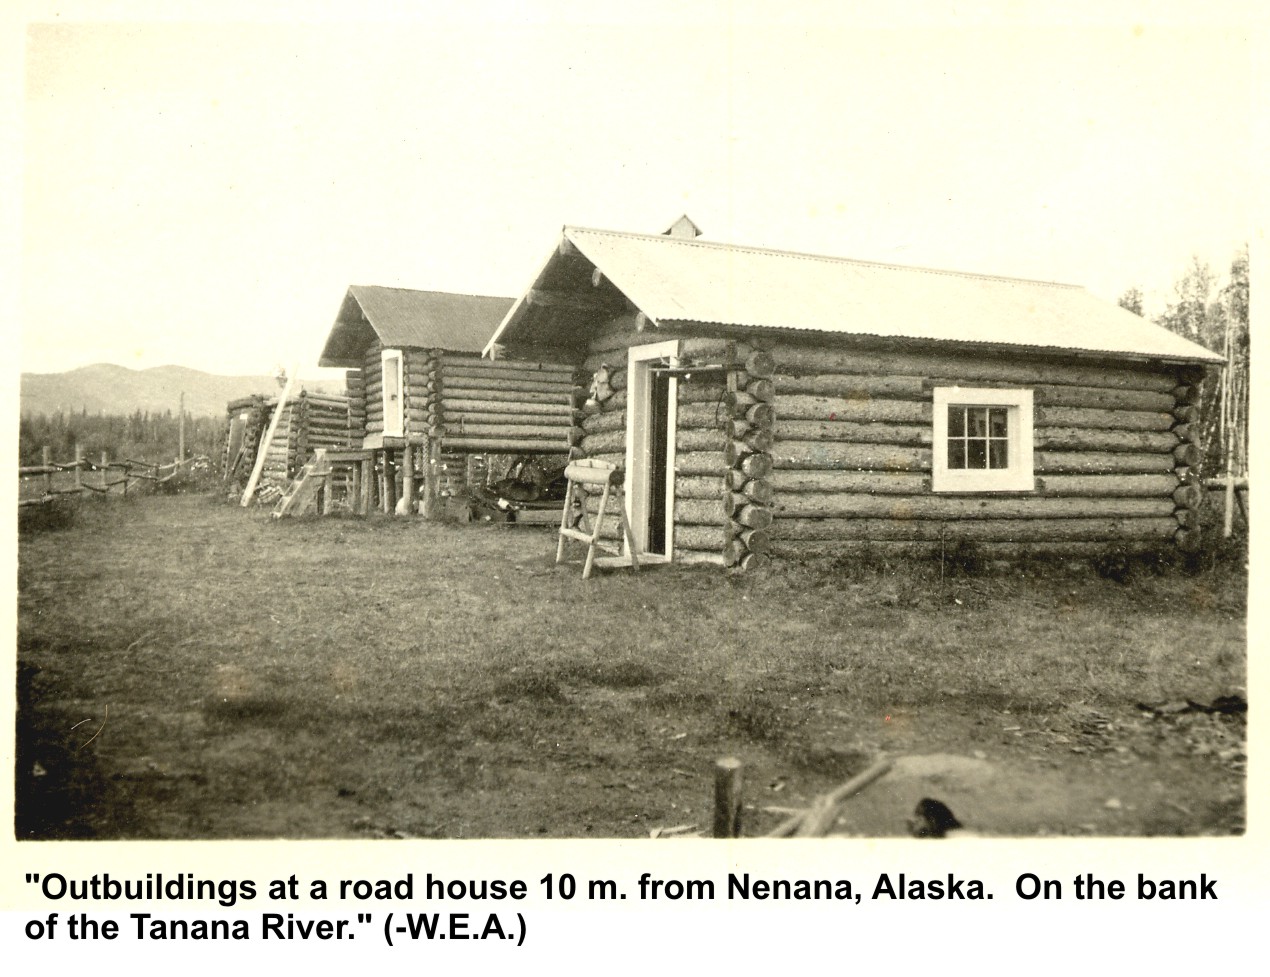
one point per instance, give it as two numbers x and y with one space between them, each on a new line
301 494
589 471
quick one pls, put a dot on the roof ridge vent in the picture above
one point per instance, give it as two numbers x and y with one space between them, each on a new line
684 228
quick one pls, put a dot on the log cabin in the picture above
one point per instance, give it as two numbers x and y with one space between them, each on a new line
426 408
309 421
774 403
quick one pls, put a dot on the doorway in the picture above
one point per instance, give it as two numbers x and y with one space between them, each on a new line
651 396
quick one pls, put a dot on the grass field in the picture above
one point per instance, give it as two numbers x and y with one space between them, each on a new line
189 669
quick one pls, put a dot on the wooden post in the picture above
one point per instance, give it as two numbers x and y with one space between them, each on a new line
79 468
105 463
431 464
180 431
727 798
368 486
1228 516
408 476
355 487
46 459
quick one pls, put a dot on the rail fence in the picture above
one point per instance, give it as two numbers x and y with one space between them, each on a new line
55 480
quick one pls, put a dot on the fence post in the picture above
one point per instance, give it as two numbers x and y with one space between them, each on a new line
727 798
46 459
180 429
105 470
79 468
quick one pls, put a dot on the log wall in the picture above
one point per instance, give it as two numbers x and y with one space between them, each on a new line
1112 453
799 447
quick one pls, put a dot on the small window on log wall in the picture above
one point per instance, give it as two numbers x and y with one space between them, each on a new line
982 440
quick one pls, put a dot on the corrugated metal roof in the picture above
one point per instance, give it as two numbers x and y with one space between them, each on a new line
408 317
675 281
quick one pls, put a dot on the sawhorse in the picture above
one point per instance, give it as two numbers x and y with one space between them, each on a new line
588 471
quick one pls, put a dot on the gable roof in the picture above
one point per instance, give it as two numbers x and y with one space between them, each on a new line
408 317
678 282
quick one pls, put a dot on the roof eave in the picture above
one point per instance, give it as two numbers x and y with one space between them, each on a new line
1203 358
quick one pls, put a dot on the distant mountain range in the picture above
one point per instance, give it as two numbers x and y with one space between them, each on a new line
109 389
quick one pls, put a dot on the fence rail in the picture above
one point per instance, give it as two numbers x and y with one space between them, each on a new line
129 471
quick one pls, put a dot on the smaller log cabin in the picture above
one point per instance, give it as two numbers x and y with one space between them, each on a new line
772 402
309 421
427 409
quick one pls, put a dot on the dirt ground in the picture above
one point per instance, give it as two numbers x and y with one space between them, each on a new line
188 669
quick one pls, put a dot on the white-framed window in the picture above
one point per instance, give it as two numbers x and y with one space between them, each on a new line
982 440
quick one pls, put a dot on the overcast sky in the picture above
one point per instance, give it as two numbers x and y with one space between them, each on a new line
204 193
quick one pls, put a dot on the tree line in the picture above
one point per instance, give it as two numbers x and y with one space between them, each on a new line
141 435
1213 311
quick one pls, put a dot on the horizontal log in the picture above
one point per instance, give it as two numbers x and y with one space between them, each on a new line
1187 518
1103 486
458 405
510 365
701 537
880 483
762 390
485 375
713 349
1086 439
557 395
853 431
1093 417
695 557
516 431
1188 394
1186 413
757 465
821 456
756 490
754 516
1100 462
760 364
756 540
708 512
698 487
702 392
605 441
484 387
753 562
711 416
506 445
560 420
825 505
814 359
978 530
617 459
699 463
699 440
851 387
927 551
761 415
813 408
599 423
1188 454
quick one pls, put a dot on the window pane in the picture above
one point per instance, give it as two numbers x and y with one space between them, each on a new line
978 421
998 456
956 453
976 454
997 422
956 422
